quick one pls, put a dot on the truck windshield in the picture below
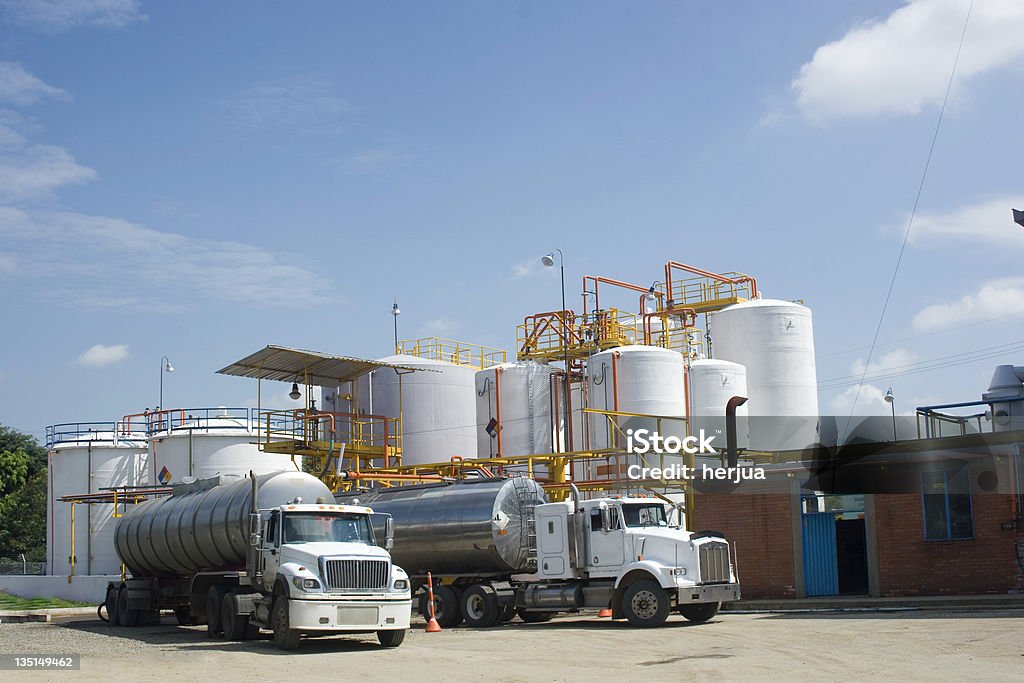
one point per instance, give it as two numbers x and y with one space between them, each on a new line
319 527
644 514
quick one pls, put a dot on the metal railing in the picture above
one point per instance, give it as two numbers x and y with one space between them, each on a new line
938 424
711 292
452 351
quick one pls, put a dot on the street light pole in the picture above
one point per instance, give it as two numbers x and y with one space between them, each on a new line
395 312
165 366
891 400
549 260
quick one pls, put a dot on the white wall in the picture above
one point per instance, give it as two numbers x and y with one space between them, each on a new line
91 589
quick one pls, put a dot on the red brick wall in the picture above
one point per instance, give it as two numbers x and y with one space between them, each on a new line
909 565
760 525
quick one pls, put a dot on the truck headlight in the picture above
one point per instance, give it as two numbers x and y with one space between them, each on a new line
401 585
306 584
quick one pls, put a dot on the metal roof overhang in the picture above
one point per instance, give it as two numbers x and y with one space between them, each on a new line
283 364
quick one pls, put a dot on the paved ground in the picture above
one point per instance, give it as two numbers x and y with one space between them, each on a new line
909 645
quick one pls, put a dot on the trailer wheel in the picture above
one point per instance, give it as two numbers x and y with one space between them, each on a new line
235 625
645 604
285 637
125 615
480 606
214 597
391 638
446 606
534 617
111 604
700 612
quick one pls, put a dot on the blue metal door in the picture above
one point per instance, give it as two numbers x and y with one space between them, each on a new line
821 569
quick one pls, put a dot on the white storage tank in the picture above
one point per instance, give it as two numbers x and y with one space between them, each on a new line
438 407
81 463
207 444
774 340
519 397
712 383
635 379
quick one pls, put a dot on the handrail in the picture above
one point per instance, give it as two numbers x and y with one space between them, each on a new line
670 265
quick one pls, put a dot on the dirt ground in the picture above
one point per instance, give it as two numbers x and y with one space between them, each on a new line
911 645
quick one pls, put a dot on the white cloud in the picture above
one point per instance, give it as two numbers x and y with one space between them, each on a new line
901 64
17 86
301 104
100 355
990 221
994 299
30 171
870 401
440 327
98 262
527 268
895 359
60 15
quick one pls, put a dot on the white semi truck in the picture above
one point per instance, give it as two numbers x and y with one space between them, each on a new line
271 551
495 547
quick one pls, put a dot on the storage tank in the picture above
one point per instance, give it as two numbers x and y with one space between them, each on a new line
470 526
521 399
438 407
774 340
202 447
82 463
1006 384
205 524
636 379
712 383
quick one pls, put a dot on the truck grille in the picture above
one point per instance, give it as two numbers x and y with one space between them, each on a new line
714 562
356 574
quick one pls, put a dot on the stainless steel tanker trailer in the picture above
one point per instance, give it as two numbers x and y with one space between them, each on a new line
272 551
496 547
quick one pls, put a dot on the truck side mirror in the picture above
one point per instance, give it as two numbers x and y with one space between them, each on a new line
606 518
389 532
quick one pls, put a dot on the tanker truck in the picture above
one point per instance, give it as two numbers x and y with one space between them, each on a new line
496 548
271 551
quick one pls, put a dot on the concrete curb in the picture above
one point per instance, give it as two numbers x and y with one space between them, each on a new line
21 616
862 604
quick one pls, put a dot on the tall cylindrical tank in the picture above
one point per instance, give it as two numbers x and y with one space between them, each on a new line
88 463
712 383
201 447
635 379
472 526
438 407
520 398
205 524
774 340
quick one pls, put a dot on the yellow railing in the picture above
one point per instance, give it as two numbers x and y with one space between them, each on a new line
554 335
373 438
705 294
451 351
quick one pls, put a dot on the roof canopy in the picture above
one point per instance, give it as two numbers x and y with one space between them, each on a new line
296 365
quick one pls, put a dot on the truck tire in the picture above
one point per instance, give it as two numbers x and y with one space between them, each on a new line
479 606
285 637
700 612
125 615
235 625
645 604
214 598
534 617
111 604
391 638
446 607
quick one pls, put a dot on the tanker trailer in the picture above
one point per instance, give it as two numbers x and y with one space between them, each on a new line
497 547
265 551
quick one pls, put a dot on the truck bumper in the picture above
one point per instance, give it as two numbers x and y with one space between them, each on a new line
724 592
349 615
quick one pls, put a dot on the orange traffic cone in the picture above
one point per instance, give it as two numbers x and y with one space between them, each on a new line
432 625
606 612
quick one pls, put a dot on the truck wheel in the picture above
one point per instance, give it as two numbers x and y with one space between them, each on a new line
125 616
391 638
214 598
235 625
285 637
533 617
111 605
699 612
645 604
480 606
446 607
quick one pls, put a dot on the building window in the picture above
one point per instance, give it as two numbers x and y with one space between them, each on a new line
946 496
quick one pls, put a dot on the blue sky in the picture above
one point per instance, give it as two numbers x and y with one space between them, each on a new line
201 179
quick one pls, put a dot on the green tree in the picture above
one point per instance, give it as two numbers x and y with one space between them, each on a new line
22 496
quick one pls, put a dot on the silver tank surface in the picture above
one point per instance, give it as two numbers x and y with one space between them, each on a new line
475 526
204 525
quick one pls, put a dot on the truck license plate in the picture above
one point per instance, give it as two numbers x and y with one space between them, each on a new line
356 616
